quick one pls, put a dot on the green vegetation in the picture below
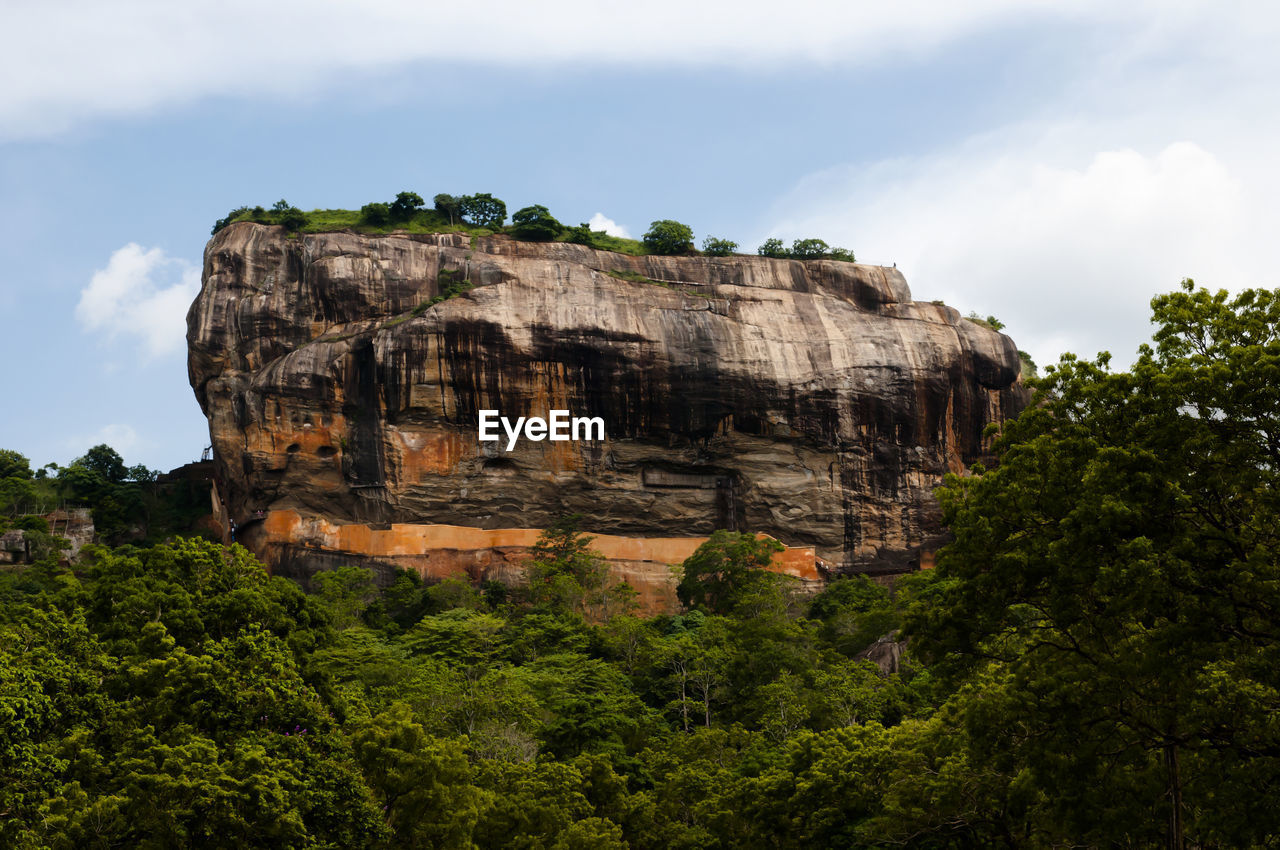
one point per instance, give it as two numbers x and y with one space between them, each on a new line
1029 369
483 210
405 206
713 247
479 215
1107 612
484 215
179 695
727 572
668 237
804 249
452 284
535 224
809 249
128 503
582 234
989 322
1092 663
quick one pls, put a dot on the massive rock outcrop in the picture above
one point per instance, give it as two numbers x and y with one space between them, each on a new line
813 401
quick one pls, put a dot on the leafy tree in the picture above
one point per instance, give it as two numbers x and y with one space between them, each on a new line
853 693
376 214
713 247
288 216
449 206
773 247
1118 573
465 639
105 461
725 570
16 488
582 234
534 803
589 705
405 205
230 217
842 254
536 223
483 210
451 593
696 663
346 592
422 783
293 219
854 612
668 237
566 574
1029 369
809 249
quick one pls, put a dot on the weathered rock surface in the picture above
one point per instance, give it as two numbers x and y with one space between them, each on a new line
813 401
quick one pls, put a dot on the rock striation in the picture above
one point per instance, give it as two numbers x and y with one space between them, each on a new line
813 401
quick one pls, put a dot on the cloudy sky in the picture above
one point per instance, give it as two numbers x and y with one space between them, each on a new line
1054 163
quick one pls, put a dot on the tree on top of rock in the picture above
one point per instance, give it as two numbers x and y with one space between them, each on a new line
669 237
536 223
405 205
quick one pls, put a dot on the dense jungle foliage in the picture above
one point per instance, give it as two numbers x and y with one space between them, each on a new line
131 504
1094 662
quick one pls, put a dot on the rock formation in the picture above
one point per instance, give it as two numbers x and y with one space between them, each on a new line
813 401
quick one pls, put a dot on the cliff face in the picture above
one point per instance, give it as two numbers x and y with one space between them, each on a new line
813 401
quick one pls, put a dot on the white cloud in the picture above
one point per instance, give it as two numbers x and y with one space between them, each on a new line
1067 250
1155 165
123 438
67 61
141 293
608 225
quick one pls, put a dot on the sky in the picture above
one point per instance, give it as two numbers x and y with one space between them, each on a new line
1054 163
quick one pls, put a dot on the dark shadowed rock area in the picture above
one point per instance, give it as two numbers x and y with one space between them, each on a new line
813 401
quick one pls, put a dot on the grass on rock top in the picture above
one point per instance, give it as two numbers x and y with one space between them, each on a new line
427 221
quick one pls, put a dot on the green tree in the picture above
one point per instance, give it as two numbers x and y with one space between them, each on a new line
448 206
1118 570
668 237
376 214
809 249
17 495
854 611
773 247
293 219
106 462
582 234
405 205
230 217
483 210
566 574
346 592
288 216
713 247
725 570
422 783
535 223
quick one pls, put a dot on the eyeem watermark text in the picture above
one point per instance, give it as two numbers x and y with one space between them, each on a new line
559 427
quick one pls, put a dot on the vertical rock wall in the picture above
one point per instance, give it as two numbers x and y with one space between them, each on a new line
812 401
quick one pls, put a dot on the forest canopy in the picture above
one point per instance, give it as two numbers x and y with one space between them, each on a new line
1094 661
